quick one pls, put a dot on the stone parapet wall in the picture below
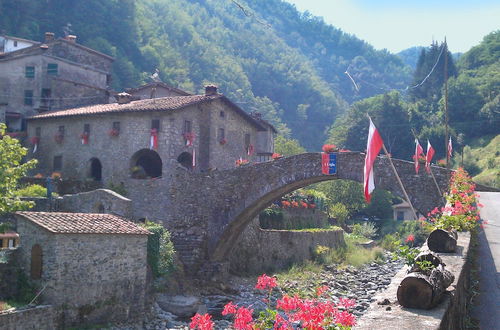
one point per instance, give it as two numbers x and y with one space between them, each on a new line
40 317
261 251
449 314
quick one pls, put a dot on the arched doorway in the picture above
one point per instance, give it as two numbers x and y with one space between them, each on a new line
145 164
186 160
36 262
95 169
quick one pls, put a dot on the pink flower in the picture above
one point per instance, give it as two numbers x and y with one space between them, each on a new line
288 303
265 282
321 290
345 319
410 238
201 322
243 319
347 303
230 308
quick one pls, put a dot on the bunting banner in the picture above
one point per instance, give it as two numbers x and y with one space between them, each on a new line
153 142
328 163
428 156
418 151
84 138
373 146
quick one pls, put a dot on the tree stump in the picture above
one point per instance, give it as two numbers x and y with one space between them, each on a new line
426 256
442 241
418 290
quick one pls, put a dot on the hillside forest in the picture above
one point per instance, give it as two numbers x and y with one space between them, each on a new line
290 66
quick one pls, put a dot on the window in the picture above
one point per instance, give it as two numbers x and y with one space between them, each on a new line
222 114
28 97
1 243
15 43
400 215
29 72
57 165
86 128
116 126
61 130
38 131
247 140
46 93
155 123
187 126
222 134
52 69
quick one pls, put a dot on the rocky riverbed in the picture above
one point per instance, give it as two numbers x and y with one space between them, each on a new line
360 284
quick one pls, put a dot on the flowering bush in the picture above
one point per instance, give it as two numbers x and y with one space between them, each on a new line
113 132
222 141
441 162
276 156
55 175
461 211
421 158
329 148
288 313
295 204
240 162
285 204
410 239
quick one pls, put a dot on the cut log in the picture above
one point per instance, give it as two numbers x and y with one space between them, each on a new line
426 255
440 240
421 291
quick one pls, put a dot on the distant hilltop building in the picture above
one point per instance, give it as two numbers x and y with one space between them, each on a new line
55 74
141 139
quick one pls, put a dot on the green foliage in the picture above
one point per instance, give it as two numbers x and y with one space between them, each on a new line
425 265
26 290
160 249
408 254
33 190
11 170
367 229
340 212
380 205
287 147
391 242
118 188
346 192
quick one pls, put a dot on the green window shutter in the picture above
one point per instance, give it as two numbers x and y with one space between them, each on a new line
28 97
30 72
52 69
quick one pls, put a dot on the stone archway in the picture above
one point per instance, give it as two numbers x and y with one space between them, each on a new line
95 169
186 160
146 163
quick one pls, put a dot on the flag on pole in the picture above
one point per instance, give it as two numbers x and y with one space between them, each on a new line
373 147
418 151
450 149
428 156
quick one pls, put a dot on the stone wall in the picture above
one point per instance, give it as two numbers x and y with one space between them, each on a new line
63 186
98 278
44 317
8 273
260 251
96 201
449 314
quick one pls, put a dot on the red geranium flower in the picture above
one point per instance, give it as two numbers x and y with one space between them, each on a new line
410 238
265 282
201 322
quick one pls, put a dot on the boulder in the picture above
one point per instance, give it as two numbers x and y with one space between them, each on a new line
181 306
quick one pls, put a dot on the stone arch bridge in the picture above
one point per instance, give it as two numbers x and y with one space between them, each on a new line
206 212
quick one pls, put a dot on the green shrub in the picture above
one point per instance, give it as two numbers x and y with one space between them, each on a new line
160 249
118 188
34 190
366 229
391 242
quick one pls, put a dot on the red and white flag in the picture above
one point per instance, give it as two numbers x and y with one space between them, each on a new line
373 147
428 156
153 141
418 151
450 149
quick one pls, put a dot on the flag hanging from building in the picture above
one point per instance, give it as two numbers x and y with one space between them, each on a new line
418 151
153 141
194 158
450 149
373 147
428 156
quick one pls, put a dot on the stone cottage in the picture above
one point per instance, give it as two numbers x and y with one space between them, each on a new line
148 138
54 74
92 266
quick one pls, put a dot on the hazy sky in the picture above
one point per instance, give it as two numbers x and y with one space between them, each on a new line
397 25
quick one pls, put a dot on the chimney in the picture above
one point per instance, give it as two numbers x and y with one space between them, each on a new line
123 98
49 36
71 38
210 90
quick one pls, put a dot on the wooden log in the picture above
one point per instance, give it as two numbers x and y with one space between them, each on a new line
418 290
440 240
426 255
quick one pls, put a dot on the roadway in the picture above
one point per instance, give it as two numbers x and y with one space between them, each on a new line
488 309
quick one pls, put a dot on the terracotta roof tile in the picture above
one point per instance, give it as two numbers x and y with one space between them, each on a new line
158 104
83 223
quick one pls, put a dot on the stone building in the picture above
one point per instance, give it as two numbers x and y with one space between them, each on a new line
93 266
142 139
54 74
402 211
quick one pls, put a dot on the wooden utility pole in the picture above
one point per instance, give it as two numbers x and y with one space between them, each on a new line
445 52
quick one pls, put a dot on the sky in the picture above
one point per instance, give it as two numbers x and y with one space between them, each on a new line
398 25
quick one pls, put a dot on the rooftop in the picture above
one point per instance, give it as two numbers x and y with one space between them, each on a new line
83 223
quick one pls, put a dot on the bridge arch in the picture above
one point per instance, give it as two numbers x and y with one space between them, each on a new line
302 170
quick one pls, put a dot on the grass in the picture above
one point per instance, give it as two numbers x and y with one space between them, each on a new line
483 157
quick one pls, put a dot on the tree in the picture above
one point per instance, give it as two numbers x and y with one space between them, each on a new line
11 170
287 147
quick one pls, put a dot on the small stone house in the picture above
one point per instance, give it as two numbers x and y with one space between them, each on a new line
93 266
148 138
54 74
9 240
402 211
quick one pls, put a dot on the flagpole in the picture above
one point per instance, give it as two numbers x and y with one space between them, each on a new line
400 182
437 186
